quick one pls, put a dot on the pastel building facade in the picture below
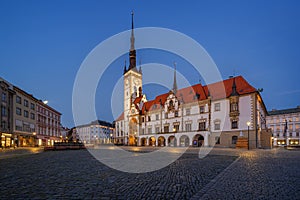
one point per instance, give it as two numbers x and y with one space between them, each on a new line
285 125
96 132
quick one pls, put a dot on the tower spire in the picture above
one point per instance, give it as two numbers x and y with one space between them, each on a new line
132 33
174 81
132 52
234 92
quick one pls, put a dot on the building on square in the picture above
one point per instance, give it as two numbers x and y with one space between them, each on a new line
48 124
96 132
6 121
192 116
285 125
25 120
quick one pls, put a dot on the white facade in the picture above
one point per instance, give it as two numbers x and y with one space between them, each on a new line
97 132
184 121
198 115
285 125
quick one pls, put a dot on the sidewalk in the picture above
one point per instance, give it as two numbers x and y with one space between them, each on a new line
19 151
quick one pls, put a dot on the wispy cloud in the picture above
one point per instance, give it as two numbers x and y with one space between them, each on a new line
289 92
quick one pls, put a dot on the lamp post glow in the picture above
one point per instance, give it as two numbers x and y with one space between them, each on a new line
248 124
174 131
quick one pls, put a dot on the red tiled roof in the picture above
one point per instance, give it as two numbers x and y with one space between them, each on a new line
197 92
223 89
219 90
137 100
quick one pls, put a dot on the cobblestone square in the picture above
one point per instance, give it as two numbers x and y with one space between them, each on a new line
223 174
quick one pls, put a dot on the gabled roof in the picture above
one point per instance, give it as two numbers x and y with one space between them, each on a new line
194 93
223 89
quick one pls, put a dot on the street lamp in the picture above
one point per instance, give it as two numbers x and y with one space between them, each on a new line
174 131
248 124
34 138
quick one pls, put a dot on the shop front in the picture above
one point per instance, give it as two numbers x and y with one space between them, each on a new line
6 140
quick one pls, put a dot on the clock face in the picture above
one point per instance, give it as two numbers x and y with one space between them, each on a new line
136 81
126 82
132 111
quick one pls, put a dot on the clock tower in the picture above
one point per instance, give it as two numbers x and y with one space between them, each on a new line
132 89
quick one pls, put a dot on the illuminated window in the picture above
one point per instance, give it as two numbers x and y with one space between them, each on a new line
176 127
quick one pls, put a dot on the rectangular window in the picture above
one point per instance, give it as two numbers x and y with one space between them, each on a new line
176 113
188 127
166 129
217 125
143 119
3 111
143 131
25 102
166 115
157 117
26 113
187 111
157 129
149 130
18 99
202 109
176 128
217 107
234 107
202 126
32 106
18 111
149 118
32 116
234 124
4 96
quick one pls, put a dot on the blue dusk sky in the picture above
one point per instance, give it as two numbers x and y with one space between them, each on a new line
43 43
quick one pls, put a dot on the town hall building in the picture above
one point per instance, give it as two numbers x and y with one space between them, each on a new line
219 114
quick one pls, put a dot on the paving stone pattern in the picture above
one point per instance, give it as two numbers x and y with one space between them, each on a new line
261 174
77 175
223 174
